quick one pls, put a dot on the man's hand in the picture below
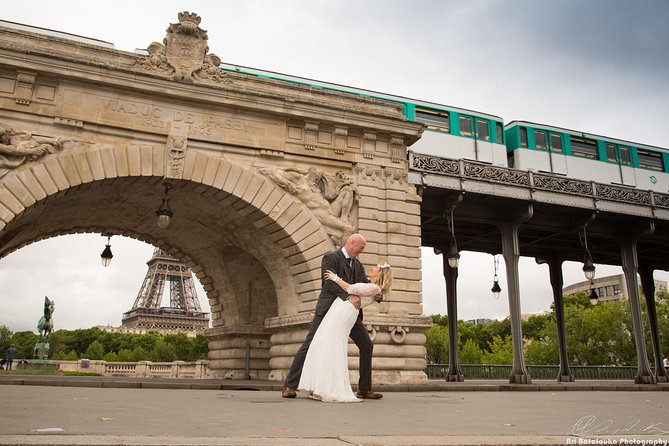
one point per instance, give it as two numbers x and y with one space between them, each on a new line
355 300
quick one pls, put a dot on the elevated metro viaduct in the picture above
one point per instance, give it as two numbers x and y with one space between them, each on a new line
546 217
264 177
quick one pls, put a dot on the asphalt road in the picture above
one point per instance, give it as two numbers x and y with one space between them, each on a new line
82 415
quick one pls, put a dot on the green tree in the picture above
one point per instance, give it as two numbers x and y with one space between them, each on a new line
500 351
183 346
541 352
95 350
439 319
471 353
69 356
24 341
533 327
110 357
125 355
140 354
200 347
436 344
163 352
5 338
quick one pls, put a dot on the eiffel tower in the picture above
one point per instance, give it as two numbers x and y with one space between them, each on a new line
184 313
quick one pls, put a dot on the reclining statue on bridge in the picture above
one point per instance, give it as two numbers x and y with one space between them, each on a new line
330 197
17 148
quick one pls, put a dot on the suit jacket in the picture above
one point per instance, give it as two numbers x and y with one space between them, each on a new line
336 262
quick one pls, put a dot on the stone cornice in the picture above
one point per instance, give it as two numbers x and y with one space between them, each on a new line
51 56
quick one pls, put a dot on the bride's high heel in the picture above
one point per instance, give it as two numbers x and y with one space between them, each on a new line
314 396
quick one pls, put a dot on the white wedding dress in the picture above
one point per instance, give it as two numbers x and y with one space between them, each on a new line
325 371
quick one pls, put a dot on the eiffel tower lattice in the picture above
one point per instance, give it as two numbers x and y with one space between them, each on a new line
184 313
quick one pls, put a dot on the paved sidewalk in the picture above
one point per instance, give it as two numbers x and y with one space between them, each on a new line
112 411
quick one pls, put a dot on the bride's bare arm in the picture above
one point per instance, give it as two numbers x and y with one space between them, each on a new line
329 275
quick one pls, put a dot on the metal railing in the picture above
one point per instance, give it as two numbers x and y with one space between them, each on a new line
493 371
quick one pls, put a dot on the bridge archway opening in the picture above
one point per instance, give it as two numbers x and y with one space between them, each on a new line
244 272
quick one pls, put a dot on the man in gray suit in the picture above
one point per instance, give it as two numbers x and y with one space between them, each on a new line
345 264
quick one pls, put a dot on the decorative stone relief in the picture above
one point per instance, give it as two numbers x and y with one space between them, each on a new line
176 152
368 173
368 144
397 149
310 135
18 148
340 140
25 84
330 197
395 176
183 53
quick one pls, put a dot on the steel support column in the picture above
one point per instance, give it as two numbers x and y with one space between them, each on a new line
630 268
648 287
556 278
451 276
511 253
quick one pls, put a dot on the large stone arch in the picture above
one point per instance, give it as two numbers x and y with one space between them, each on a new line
251 237
104 130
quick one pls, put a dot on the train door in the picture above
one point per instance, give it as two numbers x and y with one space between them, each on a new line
620 165
551 142
483 147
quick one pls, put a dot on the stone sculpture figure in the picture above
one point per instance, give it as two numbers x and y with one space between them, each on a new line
44 326
17 148
330 197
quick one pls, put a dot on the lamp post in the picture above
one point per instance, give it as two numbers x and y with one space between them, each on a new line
453 255
594 297
164 211
588 265
496 289
106 256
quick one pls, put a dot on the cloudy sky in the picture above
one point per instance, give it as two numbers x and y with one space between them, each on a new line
599 66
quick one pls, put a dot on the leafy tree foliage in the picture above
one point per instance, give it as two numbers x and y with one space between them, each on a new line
471 353
436 344
24 341
93 343
500 351
596 335
5 338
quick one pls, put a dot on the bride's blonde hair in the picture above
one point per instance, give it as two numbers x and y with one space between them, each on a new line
385 279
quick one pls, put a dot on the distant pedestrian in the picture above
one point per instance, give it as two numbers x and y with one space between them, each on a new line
11 351
666 364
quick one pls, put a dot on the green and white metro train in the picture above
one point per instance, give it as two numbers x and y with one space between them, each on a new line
457 133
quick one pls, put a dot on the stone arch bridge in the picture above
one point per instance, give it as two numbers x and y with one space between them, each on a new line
264 177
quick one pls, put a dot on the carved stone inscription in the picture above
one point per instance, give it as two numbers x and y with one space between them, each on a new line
154 117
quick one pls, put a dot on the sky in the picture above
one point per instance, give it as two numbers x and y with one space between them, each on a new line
599 66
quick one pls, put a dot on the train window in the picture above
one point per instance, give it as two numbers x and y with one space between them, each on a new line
618 155
482 130
523 137
624 154
650 160
556 142
466 126
611 155
434 119
500 132
584 147
540 140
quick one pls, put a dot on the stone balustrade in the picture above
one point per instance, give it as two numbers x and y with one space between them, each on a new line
141 369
